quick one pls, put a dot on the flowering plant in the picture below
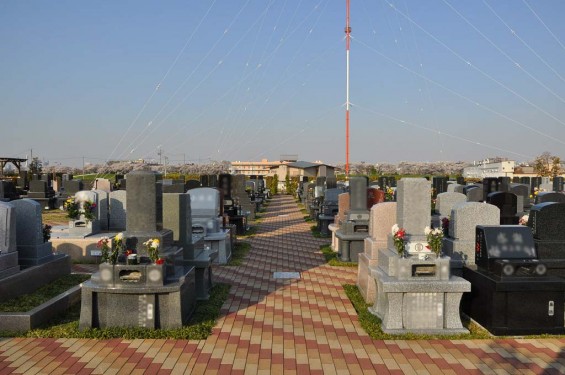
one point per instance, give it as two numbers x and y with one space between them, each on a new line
104 245
389 194
72 208
399 236
46 232
152 246
434 238
88 208
524 220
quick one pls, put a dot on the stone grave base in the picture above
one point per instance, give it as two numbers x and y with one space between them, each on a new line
515 305
81 228
156 307
350 245
335 243
219 242
33 255
462 253
324 221
80 249
419 306
368 259
32 278
24 321
9 264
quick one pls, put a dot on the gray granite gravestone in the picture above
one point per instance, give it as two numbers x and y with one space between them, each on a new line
117 210
147 294
83 226
474 193
177 216
32 250
446 201
103 209
455 188
205 210
459 245
416 293
382 218
8 250
103 184
353 231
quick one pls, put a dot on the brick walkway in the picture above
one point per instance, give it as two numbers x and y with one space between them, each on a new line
269 325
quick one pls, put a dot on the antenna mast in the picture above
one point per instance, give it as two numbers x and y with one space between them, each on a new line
347 42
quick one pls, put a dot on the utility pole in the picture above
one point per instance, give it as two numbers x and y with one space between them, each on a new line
83 167
347 43
160 153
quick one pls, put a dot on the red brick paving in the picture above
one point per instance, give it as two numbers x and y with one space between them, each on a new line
271 326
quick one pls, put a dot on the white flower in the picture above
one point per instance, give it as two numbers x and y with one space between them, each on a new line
395 229
437 231
427 230
119 236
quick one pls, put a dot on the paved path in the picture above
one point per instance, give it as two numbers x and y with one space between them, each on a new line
282 326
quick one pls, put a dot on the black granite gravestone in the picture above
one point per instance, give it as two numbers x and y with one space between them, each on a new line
439 185
511 293
550 196
504 184
558 184
490 185
508 205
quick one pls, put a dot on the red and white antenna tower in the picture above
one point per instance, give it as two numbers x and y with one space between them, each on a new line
347 42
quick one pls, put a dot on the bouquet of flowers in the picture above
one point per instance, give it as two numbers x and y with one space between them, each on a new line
445 225
434 238
524 220
399 236
104 245
72 208
152 246
88 208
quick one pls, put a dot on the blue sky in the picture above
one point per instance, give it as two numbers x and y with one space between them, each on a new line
250 79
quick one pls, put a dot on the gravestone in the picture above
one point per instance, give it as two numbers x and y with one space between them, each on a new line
32 250
83 226
103 209
508 205
204 180
177 217
103 184
382 218
525 181
71 187
558 184
439 185
446 201
522 190
144 219
535 183
117 210
490 185
205 206
343 207
38 189
546 220
192 184
460 180
511 292
174 188
8 247
455 188
504 183
550 196
474 193
416 293
328 209
353 231
545 185
146 294
374 196
459 244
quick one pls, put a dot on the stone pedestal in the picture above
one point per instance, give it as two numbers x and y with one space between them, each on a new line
83 228
417 295
167 306
219 243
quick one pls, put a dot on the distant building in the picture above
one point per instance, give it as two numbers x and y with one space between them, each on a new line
497 167
253 168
